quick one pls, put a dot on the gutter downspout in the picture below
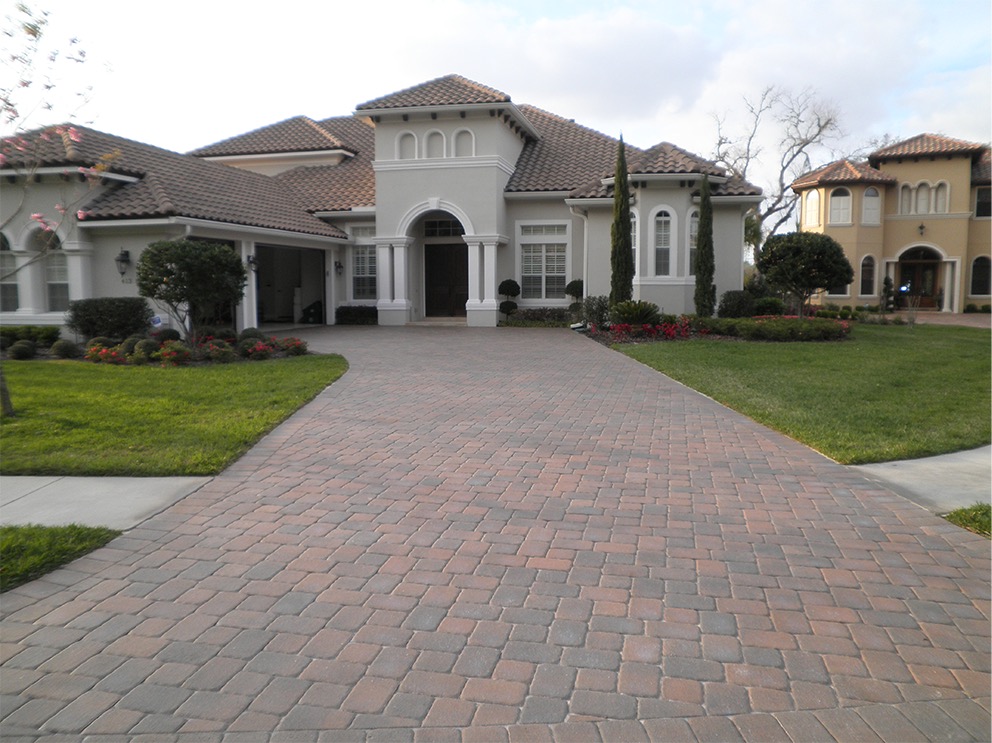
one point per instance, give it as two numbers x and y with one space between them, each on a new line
584 216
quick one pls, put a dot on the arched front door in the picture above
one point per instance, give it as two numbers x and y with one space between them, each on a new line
919 277
445 267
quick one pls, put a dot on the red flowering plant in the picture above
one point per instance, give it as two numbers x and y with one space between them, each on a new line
293 346
104 355
174 353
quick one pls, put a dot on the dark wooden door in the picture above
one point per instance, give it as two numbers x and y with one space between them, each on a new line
445 280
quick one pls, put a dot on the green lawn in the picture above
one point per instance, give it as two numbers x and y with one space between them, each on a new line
884 394
76 418
28 552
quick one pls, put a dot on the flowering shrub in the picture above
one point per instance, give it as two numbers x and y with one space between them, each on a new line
257 349
104 355
174 353
293 346
219 351
669 329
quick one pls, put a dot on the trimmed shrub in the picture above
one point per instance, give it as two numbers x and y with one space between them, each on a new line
252 333
635 312
356 315
736 303
174 353
105 355
507 307
971 308
219 351
22 350
987 308
574 288
509 288
769 306
127 347
167 334
101 341
255 349
116 317
147 348
41 335
545 317
293 346
596 310
65 349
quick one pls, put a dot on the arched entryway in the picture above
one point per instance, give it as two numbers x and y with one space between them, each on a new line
919 278
445 265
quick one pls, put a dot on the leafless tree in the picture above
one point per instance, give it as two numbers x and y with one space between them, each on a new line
789 130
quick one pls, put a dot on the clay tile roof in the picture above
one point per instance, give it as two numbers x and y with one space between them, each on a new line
667 158
925 145
450 90
338 187
298 134
735 186
168 185
842 171
566 157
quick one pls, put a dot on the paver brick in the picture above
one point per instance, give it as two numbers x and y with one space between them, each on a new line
386 567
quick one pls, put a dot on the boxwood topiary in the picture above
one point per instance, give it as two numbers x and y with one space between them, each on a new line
102 341
167 334
65 349
252 333
22 350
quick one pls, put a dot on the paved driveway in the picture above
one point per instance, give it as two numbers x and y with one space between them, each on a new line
508 534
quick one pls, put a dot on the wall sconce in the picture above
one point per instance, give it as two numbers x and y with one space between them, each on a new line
338 267
922 228
123 260
253 263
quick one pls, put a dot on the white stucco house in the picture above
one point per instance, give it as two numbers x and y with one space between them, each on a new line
420 203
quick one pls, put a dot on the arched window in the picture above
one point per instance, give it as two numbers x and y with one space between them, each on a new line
464 144
840 206
406 146
434 145
905 199
923 198
693 238
867 276
981 277
940 198
812 215
871 207
56 269
663 244
9 297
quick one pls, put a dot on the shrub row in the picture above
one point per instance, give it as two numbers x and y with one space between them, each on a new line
115 317
40 335
773 328
356 315
556 317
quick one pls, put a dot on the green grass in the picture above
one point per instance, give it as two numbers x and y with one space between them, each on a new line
976 518
27 552
886 393
75 418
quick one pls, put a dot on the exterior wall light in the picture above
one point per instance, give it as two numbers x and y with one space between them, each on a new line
253 263
338 267
922 228
123 260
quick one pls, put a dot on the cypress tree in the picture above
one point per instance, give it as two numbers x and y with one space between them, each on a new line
621 260
705 294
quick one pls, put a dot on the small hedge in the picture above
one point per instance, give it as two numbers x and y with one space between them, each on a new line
539 317
116 317
781 329
41 335
356 315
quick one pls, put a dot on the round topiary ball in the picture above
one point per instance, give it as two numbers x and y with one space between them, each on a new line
65 349
146 347
102 341
252 333
21 350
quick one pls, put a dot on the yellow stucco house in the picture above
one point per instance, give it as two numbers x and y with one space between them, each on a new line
918 211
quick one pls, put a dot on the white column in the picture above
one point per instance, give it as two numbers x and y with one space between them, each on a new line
31 283
384 274
247 314
489 275
400 274
79 264
474 275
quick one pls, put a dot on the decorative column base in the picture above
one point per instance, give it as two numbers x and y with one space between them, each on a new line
396 312
484 314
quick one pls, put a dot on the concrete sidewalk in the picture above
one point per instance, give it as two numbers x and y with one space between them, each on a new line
938 484
115 502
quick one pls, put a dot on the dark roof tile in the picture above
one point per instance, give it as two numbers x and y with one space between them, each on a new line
450 90
923 145
168 185
842 171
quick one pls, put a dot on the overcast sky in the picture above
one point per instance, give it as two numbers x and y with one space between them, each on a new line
183 74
